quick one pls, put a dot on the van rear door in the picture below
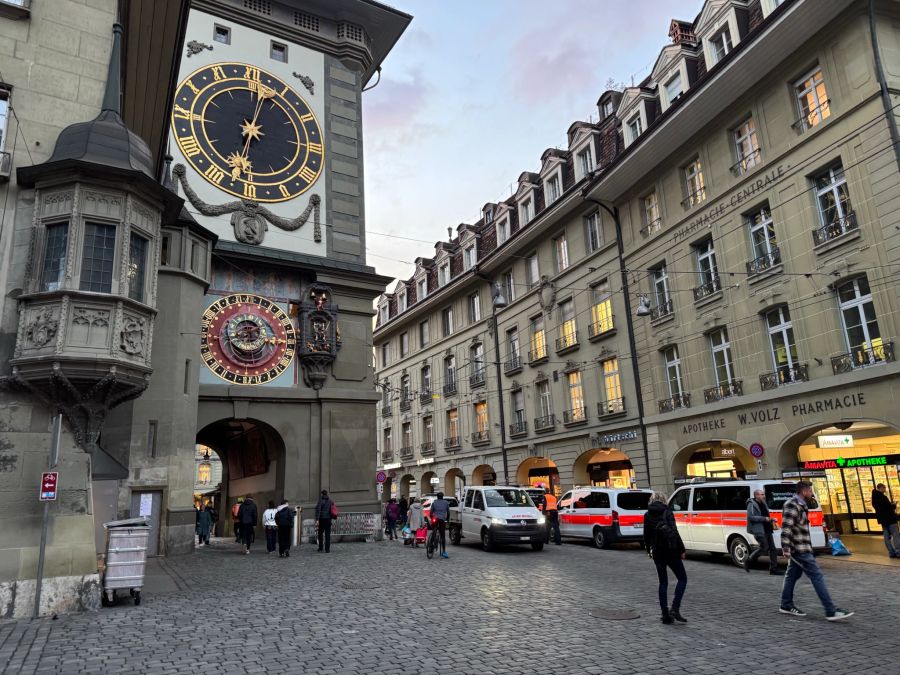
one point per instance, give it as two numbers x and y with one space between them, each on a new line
631 507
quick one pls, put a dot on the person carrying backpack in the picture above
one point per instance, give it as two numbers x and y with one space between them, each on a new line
284 520
664 545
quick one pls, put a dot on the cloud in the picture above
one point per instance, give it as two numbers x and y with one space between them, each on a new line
395 103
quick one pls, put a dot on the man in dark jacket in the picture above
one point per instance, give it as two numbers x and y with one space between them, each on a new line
761 525
247 516
664 545
284 520
886 515
323 519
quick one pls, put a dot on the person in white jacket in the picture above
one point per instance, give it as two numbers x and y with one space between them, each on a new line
271 527
415 518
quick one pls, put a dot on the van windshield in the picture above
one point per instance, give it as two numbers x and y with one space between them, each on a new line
510 497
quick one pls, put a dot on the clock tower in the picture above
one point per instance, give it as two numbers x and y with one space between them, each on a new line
265 299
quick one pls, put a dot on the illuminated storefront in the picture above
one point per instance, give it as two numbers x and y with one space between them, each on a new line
604 467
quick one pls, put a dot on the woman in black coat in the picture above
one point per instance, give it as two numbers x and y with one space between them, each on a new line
664 545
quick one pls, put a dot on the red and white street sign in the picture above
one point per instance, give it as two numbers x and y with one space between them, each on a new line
49 480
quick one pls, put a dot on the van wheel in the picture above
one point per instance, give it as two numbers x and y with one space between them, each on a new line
455 536
601 540
487 541
537 546
739 550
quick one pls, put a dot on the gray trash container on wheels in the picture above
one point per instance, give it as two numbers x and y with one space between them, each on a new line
126 558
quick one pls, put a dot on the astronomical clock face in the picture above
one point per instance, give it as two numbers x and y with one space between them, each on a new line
247 339
247 132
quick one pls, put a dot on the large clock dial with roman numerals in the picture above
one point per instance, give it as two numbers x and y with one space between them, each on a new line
247 339
247 132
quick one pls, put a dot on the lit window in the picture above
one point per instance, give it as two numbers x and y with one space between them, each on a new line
612 386
481 419
747 146
694 185
568 335
453 425
812 99
652 219
222 34
601 309
576 411
278 52
538 339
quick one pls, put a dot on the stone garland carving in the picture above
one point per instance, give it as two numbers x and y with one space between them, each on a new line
132 335
42 328
248 218
194 47
306 81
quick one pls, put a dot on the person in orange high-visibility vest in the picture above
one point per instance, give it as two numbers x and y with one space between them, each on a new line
551 513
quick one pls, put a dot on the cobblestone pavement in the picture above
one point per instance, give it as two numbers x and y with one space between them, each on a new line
384 608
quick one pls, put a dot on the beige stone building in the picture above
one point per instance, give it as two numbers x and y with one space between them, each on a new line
753 178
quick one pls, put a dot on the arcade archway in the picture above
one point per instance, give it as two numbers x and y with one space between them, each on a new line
484 474
408 486
713 459
430 483
539 472
454 482
253 455
603 467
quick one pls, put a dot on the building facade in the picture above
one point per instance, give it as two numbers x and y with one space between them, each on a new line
748 188
168 283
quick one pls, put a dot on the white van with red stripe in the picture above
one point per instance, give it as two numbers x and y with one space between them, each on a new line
604 515
712 515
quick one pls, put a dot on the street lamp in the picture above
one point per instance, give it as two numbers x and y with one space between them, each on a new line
499 302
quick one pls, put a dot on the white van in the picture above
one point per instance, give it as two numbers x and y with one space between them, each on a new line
712 515
497 515
604 515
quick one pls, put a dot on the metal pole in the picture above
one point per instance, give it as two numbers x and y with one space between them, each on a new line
54 460
500 396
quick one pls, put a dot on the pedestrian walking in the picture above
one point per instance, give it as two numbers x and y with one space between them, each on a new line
214 514
284 519
415 519
391 515
664 545
797 547
248 516
886 515
236 521
551 513
761 525
326 510
270 527
403 507
204 525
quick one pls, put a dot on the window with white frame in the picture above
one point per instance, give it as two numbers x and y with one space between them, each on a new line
426 379
488 215
469 257
545 398
695 187
424 333
781 341
576 397
482 427
502 230
532 273
567 332
383 312
476 361
861 332
707 269
447 321
4 115
401 300
405 388
508 286
407 435
833 199
561 250
634 128
526 210
592 231
723 366
746 145
517 401
453 424
512 345
661 289
538 339
385 354
650 207
421 289
450 371
673 371
674 88
474 308
612 386
720 44
585 162
428 430
386 446
812 99
551 189
601 308
607 109
404 344
444 274
763 242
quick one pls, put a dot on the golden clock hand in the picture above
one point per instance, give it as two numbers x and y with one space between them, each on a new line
251 129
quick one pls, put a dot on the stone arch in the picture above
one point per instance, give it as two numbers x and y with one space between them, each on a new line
484 474
538 471
425 486
612 457
742 462
407 486
454 482
788 448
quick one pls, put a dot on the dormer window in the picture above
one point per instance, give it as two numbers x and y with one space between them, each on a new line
585 162
502 230
444 274
526 210
469 256
401 300
488 215
607 109
421 289
721 44
634 128
674 88
551 189
383 311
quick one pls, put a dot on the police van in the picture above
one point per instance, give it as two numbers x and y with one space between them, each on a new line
712 515
603 515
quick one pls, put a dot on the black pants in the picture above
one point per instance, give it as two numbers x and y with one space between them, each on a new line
271 535
677 566
248 535
237 533
284 539
766 547
325 534
553 527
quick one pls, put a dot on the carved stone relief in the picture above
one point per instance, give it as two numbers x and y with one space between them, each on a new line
102 204
90 327
132 335
194 47
56 203
306 81
41 327
547 295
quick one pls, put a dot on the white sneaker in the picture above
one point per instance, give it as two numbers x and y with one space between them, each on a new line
839 615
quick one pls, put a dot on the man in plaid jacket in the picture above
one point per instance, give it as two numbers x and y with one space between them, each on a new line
797 546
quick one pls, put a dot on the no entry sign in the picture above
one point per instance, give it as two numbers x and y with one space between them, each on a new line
49 480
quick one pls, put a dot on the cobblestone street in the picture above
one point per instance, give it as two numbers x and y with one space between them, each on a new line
384 608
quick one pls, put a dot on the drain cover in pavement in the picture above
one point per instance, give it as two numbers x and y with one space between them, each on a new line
614 614
357 585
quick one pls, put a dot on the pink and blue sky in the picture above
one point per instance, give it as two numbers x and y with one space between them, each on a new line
475 91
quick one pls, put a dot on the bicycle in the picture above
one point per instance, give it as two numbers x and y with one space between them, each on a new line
431 543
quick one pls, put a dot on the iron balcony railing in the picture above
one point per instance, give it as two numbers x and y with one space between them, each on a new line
450 388
612 406
598 329
538 354
863 356
405 404
386 410
406 452
518 427
451 442
694 198
5 166
575 416
764 262
566 340
544 423
425 397
661 310
724 390
387 456
836 228
651 227
675 402
513 364
427 448
476 379
481 436
798 372
714 285
813 117
745 163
